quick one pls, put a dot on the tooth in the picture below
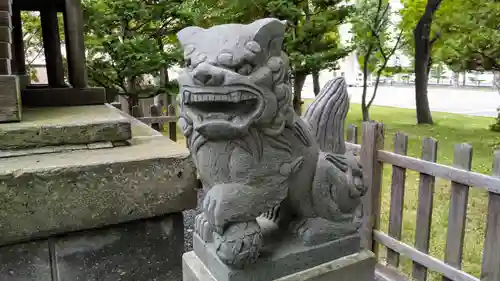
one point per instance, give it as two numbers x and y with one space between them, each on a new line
247 96
186 96
236 96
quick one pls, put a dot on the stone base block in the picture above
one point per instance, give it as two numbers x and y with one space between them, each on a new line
26 262
10 99
145 250
355 267
278 258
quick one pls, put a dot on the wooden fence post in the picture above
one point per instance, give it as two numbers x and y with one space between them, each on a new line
491 255
458 210
172 126
155 111
424 209
373 140
352 134
397 198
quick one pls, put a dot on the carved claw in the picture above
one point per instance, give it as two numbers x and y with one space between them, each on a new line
212 211
203 228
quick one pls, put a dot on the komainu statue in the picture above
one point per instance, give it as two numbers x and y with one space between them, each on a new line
256 158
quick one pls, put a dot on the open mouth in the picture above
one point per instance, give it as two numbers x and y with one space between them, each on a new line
221 106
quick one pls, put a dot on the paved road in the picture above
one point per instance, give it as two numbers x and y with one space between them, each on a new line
478 102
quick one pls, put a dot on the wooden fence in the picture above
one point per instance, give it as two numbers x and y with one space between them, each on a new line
159 116
373 157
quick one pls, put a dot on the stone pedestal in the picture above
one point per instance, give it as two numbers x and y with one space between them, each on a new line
284 258
356 267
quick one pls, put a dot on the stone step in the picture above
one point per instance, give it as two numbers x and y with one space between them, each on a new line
54 126
54 193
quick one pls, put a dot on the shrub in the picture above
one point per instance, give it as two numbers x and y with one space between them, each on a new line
496 127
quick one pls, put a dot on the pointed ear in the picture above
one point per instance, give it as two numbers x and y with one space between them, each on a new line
270 33
186 34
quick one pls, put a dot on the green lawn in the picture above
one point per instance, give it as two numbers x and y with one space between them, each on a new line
449 129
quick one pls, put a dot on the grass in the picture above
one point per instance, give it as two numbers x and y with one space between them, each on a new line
449 129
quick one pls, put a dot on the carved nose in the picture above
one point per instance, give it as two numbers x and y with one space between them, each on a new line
208 75
203 77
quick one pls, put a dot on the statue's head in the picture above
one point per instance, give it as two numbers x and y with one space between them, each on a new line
235 77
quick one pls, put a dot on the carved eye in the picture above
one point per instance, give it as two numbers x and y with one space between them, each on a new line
246 69
187 62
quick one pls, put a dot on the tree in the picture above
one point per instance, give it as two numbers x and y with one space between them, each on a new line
472 37
129 40
312 41
375 43
423 62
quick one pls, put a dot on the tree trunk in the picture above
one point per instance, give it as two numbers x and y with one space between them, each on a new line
365 109
422 62
456 76
299 78
366 112
496 80
164 79
316 86
464 79
132 98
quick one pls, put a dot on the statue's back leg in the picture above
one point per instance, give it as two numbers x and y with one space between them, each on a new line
335 198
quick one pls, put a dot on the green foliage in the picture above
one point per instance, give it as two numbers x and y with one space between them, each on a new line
374 35
312 41
468 32
437 71
127 40
370 27
496 126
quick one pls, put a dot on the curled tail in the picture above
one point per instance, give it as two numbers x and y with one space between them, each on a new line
326 116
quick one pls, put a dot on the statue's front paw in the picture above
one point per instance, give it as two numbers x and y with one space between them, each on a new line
211 210
239 244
